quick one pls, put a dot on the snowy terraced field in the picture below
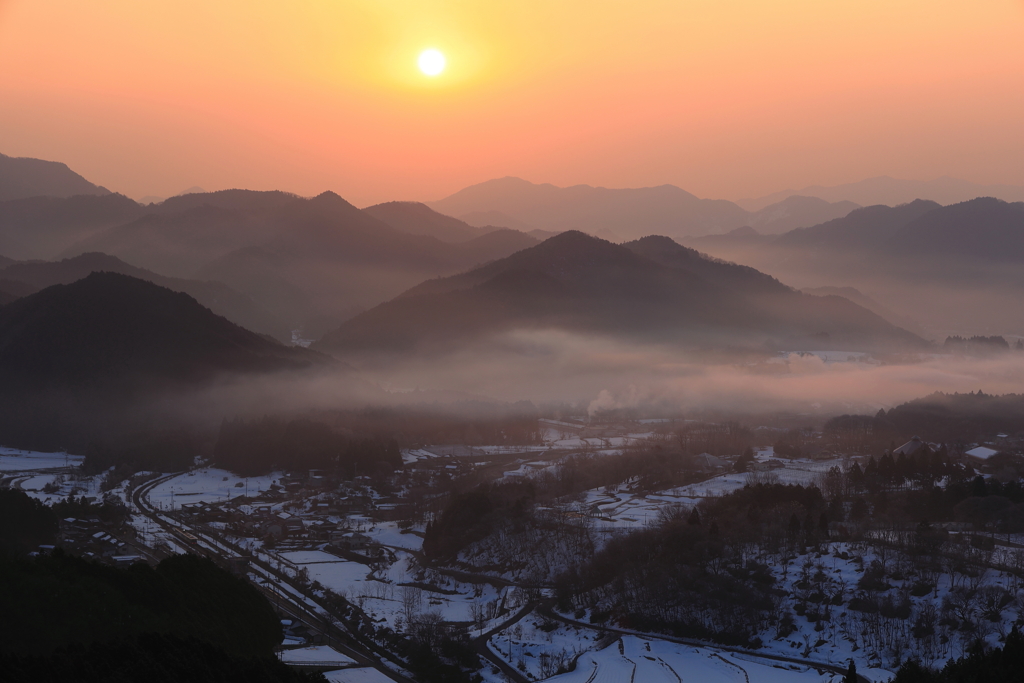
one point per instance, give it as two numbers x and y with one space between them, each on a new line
622 508
656 661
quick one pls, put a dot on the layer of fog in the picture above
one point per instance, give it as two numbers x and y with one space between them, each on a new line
943 295
557 366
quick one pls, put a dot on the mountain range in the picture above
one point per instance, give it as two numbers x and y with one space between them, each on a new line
306 264
649 291
956 268
624 214
310 264
894 191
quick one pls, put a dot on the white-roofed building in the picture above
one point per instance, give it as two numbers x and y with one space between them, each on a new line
982 452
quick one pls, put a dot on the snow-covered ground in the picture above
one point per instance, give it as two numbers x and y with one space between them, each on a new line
32 471
651 660
207 485
315 653
361 675
13 460
658 661
620 508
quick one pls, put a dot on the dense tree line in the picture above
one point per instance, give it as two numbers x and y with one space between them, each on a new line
976 344
78 603
999 665
473 515
946 418
959 418
25 523
691 573
252 447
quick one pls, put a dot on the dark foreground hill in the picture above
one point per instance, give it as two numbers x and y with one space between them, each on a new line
109 353
110 328
29 277
650 291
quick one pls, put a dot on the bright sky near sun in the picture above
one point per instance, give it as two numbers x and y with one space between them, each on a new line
726 98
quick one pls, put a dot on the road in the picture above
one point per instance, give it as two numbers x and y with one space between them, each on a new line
480 644
288 598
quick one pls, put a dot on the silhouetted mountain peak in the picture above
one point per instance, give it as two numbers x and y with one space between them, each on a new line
416 218
109 327
330 199
235 200
22 177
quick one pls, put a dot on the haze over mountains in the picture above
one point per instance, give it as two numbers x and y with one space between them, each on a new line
307 264
894 191
649 291
106 353
624 213
955 267
416 297
24 278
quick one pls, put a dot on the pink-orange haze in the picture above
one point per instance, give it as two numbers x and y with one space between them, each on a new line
726 98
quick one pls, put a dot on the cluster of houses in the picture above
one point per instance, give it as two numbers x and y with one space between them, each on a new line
92 539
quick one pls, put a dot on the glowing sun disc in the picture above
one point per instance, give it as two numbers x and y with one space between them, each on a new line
431 62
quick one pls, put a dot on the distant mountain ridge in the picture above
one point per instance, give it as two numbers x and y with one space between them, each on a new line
415 218
308 262
955 269
23 177
623 213
894 191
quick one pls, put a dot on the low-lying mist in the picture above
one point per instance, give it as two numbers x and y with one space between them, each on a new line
557 366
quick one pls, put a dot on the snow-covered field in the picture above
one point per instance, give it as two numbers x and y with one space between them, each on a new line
621 508
657 661
362 675
650 660
13 460
207 485
315 653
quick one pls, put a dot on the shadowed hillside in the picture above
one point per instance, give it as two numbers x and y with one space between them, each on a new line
582 284
43 227
416 218
218 297
110 354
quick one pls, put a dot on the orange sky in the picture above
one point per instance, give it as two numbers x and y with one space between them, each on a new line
726 98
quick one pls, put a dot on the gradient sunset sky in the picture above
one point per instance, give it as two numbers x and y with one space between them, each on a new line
725 98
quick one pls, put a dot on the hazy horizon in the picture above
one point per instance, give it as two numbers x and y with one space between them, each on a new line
727 100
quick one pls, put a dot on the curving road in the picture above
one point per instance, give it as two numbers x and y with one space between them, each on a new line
282 594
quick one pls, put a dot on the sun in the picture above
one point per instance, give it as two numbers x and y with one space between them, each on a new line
431 62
